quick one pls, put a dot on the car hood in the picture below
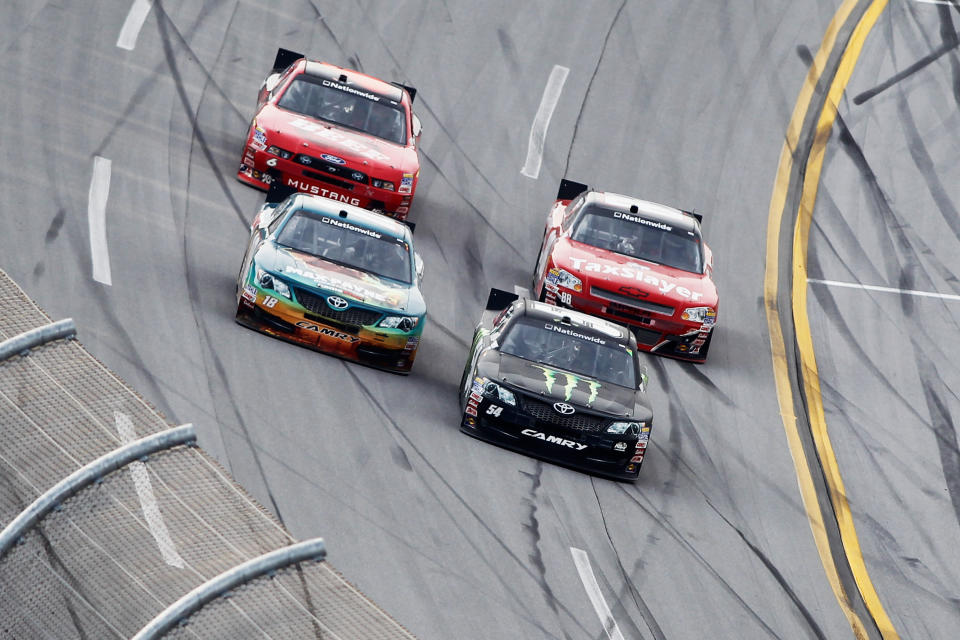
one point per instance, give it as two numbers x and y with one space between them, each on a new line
556 385
302 134
629 276
313 272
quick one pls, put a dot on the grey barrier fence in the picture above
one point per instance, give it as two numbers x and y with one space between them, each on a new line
114 524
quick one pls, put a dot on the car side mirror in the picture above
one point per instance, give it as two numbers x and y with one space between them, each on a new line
418 264
417 127
271 82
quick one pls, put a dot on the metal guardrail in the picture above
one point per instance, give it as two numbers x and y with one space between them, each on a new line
89 473
111 557
22 343
216 587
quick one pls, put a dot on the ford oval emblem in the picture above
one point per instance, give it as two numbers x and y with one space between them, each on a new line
333 159
338 303
563 408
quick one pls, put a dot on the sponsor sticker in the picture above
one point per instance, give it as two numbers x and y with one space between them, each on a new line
470 411
475 395
561 442
249 292
260 135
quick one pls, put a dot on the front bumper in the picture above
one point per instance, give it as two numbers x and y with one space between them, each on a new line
663 335
255 172
590 452
387 349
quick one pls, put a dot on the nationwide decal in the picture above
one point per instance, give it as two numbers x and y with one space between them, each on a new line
638 219
351 227
347 89
539 435
306 187
638 272
568 332
326 331
331 134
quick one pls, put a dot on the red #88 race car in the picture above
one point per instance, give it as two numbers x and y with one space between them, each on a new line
634 262
336 133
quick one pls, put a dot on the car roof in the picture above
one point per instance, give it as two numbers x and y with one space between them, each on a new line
650 210
353 79
353 214
575 320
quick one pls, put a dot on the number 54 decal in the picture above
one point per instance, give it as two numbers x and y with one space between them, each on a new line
494 410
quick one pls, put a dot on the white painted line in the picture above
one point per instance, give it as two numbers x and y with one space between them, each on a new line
131 26
148 501
870 287
523 292
947 2
97 219
582 562
538 133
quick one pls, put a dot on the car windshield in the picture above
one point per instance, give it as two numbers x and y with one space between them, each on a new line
571 349
309 97
635 236
348 244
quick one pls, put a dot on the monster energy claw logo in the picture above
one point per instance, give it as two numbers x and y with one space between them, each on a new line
550 376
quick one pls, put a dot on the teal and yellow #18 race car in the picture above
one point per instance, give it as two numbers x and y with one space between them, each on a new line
333 277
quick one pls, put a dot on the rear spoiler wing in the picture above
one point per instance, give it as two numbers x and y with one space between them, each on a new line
498 300
569 189
696 215
284 59
411 90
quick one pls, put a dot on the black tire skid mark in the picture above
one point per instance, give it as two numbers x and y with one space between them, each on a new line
944 431
900 238
895 560
166 27
10 488
395 432
148 84
427 109
24 28
679 463
127 347
916 146
192 285
473 208
532 527
663 521
586 94
629 587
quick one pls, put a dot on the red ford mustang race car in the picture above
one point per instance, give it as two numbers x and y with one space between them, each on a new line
634 262
336 133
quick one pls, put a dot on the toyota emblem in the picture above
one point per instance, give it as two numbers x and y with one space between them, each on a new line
563 408
338 303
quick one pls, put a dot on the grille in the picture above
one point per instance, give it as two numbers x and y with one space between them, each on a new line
632 302
317 305
623 311
331 169
646 336
322 177
544 412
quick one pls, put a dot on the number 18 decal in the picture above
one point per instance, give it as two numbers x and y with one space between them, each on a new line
494 410
269 302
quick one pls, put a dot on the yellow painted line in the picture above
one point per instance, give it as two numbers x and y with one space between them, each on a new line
811 378
778 348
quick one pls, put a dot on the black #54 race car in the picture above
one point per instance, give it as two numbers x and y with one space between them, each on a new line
558 384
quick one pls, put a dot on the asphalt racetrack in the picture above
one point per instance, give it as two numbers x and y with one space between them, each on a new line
685 103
